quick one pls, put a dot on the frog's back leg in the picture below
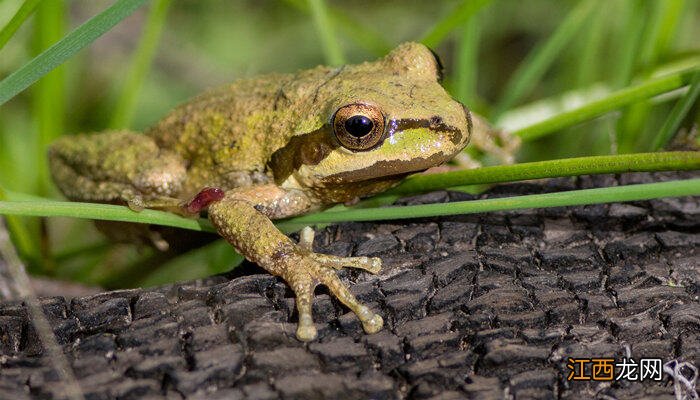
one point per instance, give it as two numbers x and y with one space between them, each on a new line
490 140
117 167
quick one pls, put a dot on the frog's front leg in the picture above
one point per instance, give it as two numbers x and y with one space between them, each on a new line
242 217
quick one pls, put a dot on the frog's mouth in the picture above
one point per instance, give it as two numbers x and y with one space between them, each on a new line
395 169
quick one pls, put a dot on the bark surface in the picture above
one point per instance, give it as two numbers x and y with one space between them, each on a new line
478 306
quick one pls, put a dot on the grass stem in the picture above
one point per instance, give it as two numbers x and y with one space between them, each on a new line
65 48
140 65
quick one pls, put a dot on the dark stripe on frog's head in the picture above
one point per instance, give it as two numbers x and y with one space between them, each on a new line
435 124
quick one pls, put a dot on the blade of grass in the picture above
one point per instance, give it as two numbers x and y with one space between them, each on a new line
541 57
613 101
363 35
642 162
140 65
680 110
664 21
65 48
645 191
653 44
459 15
589 60
48 96
331 47
467 61
633 16
48 109
25 11
21 235
670 23
665 161
105 212
545 108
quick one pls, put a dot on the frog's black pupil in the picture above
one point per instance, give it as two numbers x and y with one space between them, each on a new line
358 125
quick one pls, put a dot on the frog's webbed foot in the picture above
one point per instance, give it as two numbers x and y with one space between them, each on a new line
312 269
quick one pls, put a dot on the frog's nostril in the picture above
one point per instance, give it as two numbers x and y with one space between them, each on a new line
436 120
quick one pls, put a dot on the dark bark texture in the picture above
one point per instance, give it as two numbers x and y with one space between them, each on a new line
481 306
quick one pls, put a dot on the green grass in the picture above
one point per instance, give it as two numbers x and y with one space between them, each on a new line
659 22
467 60
551 59
679 112
461 15
537 62
611 102
19 204
65 48
614 164
49 94
326 31
108 212
24 12
140 65
689 187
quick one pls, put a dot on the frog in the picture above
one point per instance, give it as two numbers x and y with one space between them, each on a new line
277 146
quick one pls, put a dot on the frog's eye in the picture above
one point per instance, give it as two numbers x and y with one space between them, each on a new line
358 126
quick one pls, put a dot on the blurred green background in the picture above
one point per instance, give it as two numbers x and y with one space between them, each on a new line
511 61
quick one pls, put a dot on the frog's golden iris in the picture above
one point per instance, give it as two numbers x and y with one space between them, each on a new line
359 126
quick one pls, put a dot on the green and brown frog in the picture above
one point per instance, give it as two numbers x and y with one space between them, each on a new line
277 146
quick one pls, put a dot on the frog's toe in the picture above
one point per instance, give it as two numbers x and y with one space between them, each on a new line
303 288
306 238
369 264
306 332
371 322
